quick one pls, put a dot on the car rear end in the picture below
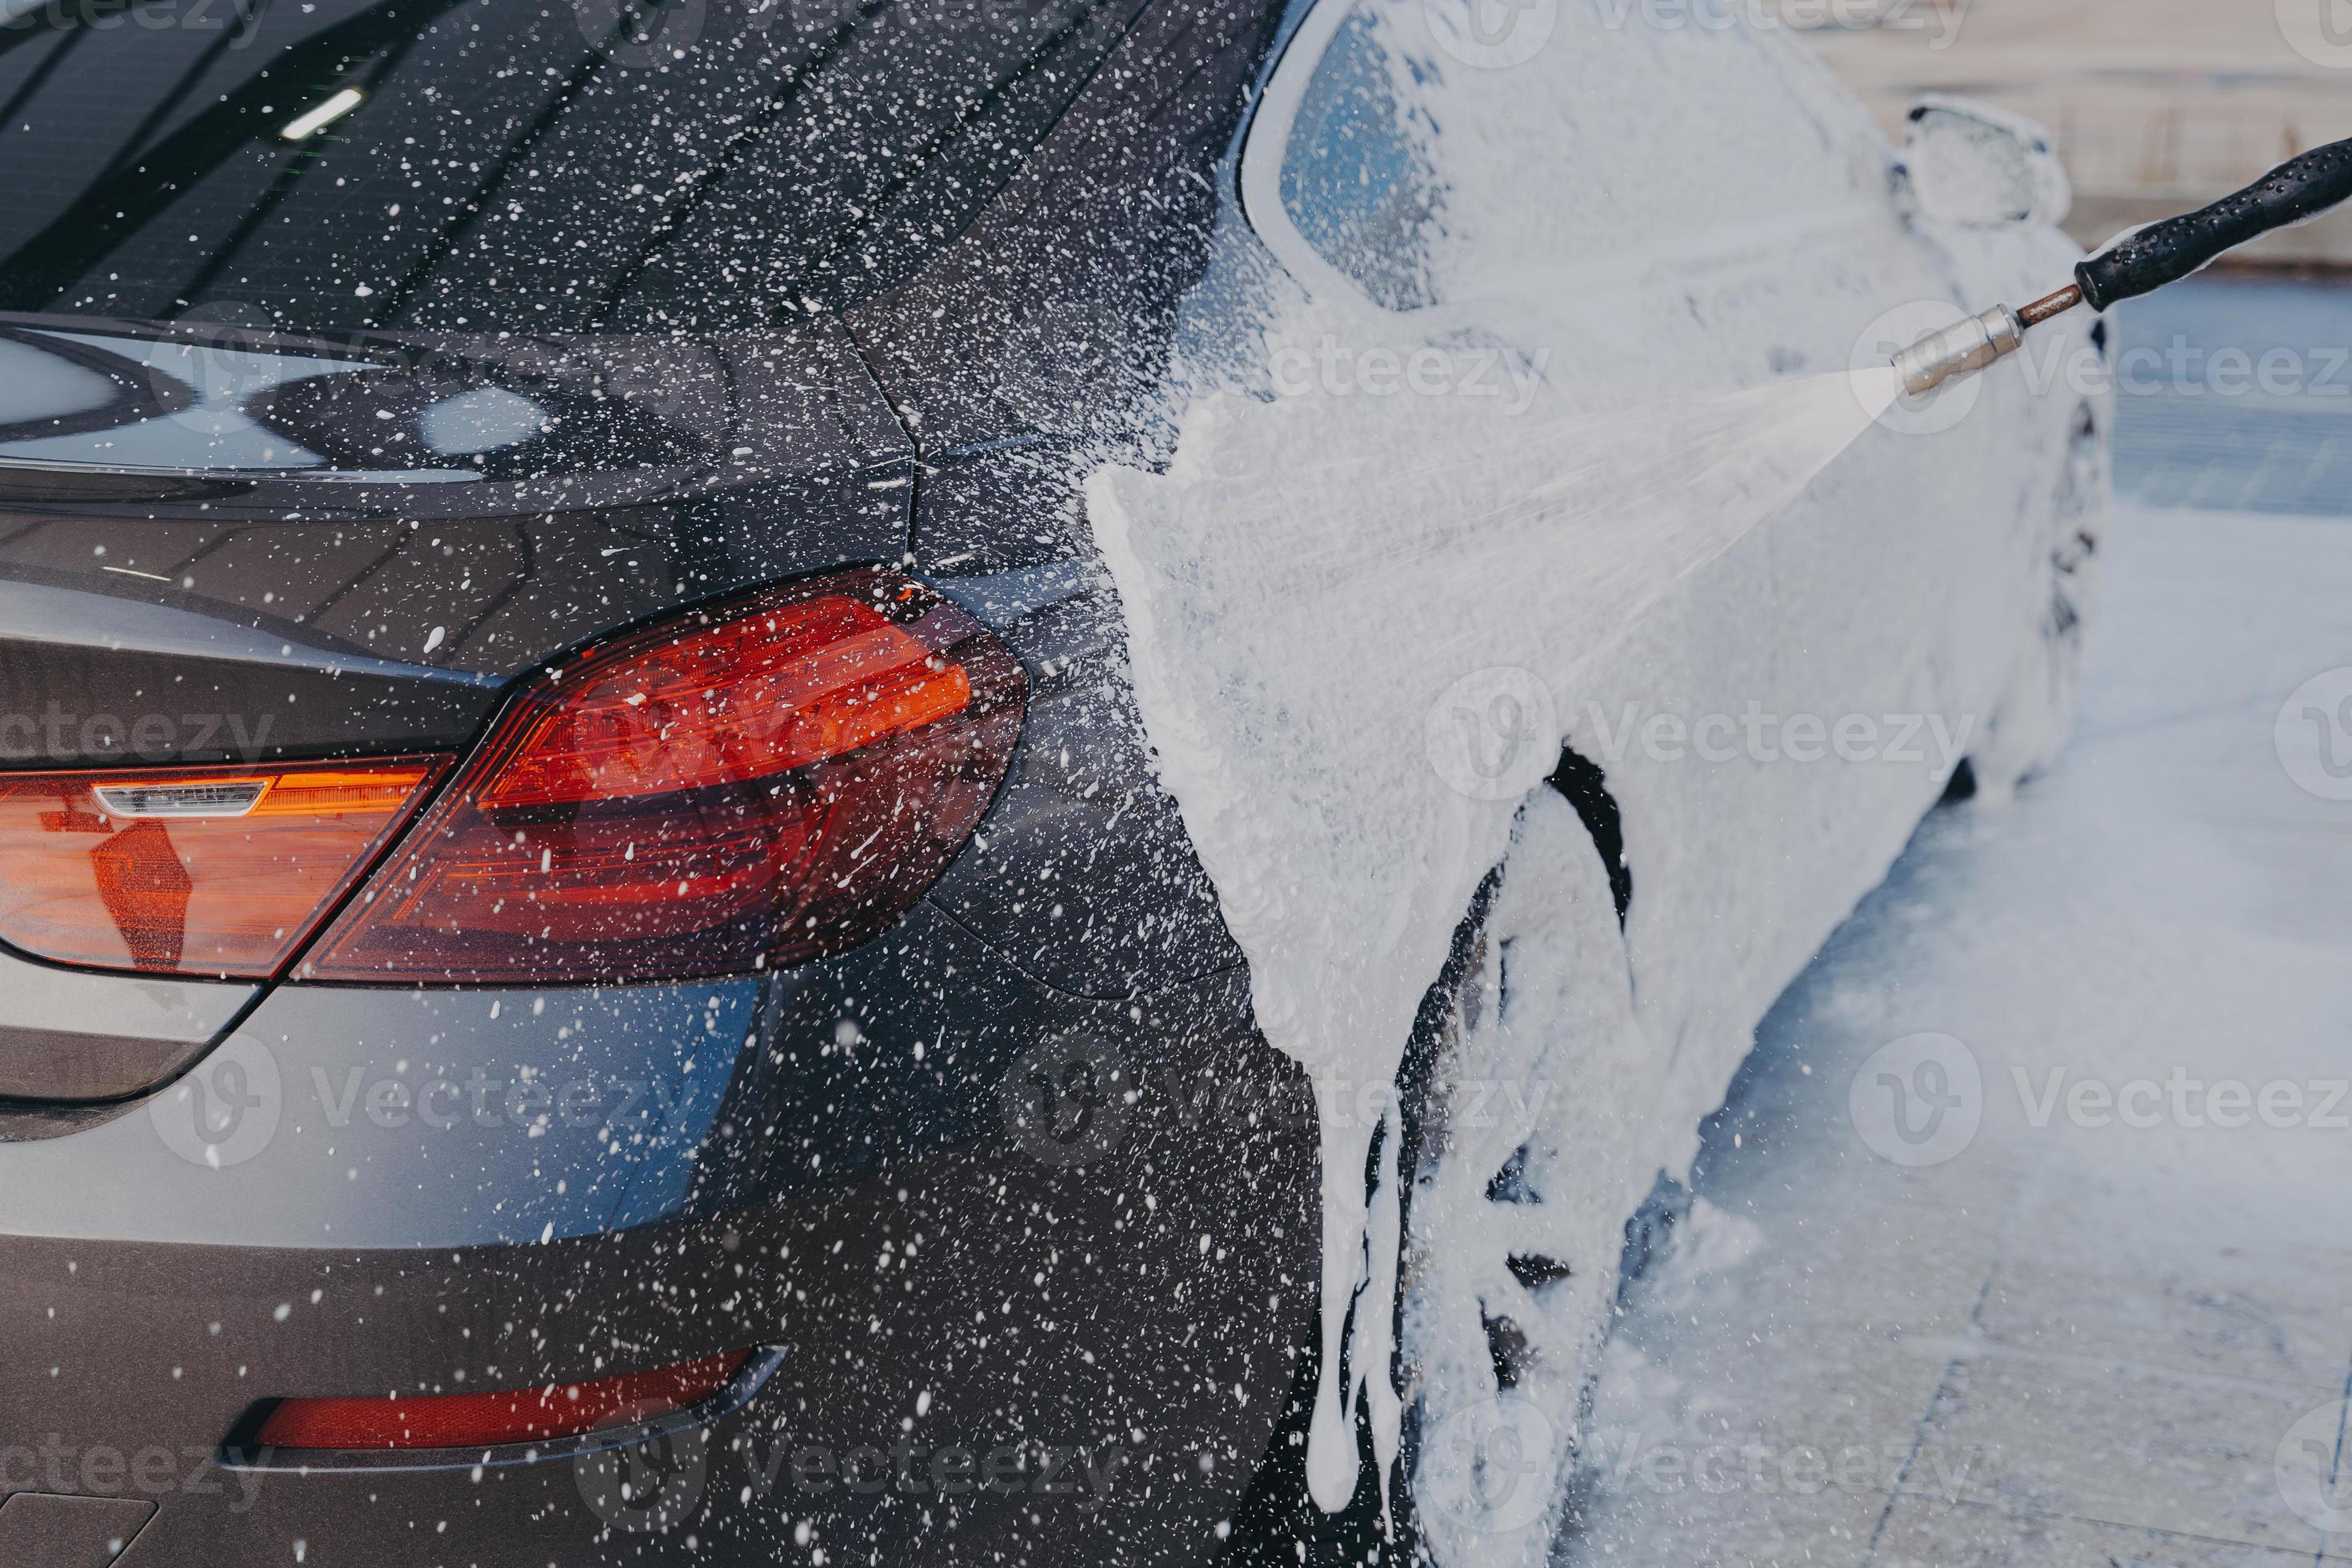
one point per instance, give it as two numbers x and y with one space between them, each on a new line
573 990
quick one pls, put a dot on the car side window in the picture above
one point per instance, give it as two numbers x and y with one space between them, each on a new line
1355 184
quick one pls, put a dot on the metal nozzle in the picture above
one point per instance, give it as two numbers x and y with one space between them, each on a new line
1978 341
1966 346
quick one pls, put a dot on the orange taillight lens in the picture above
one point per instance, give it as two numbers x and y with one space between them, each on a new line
758 782
205 872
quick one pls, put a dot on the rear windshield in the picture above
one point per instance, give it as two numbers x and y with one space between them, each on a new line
502 164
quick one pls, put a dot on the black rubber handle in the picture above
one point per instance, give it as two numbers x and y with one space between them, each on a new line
2168 251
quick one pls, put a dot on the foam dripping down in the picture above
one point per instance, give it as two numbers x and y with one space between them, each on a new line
1296 600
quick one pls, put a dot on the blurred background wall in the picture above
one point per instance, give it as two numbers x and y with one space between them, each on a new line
2158 105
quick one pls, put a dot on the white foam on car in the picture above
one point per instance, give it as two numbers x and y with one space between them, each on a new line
1311 581
1282 634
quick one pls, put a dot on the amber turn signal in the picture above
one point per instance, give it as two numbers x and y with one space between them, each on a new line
215 871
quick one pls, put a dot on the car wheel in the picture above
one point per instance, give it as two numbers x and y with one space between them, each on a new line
1526 1131
1530 1139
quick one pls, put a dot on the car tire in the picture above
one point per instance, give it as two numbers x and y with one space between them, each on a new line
1523 1135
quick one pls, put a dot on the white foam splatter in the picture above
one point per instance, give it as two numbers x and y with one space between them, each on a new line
1291 624
1313 572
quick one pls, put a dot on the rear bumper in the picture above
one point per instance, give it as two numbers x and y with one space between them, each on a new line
999 1343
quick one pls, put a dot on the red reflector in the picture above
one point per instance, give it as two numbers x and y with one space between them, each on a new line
209 870
507 1416
759 783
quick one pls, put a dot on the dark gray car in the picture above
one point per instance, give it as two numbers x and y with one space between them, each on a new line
462 1108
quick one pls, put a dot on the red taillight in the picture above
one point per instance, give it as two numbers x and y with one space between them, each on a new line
757 783
507 1416
207 870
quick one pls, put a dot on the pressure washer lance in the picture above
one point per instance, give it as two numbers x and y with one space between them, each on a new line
2141 263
